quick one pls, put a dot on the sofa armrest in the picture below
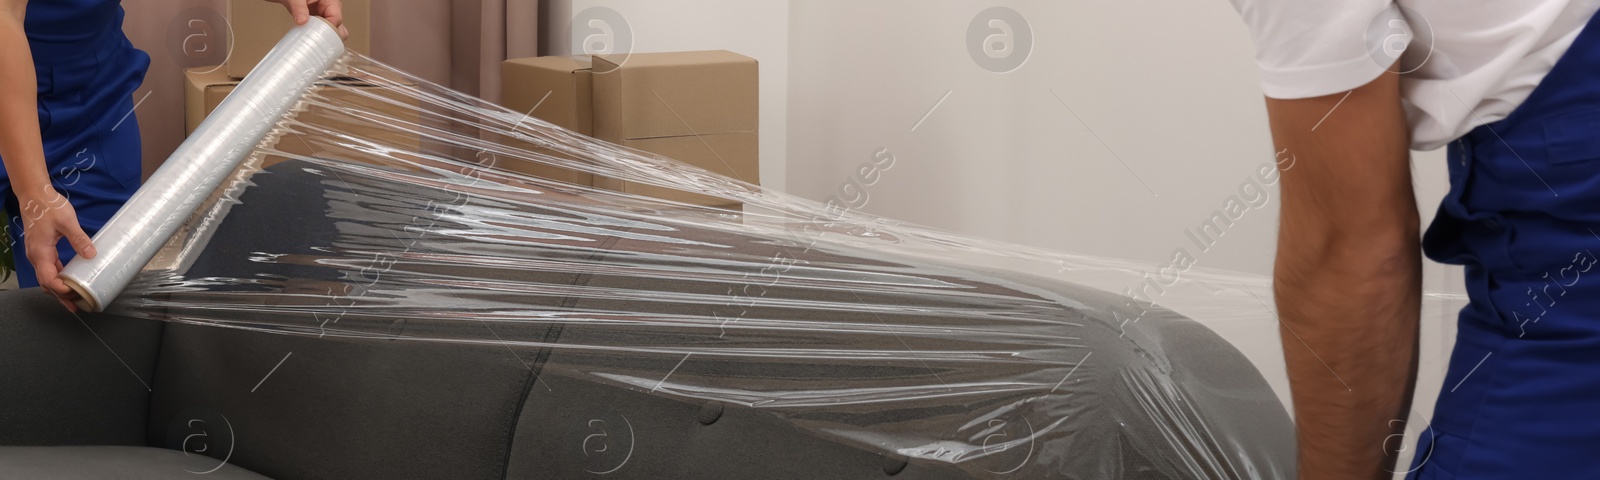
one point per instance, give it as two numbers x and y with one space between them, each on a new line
70 379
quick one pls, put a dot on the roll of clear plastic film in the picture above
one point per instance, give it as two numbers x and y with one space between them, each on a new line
209 156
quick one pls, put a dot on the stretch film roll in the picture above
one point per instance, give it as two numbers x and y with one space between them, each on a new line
215 149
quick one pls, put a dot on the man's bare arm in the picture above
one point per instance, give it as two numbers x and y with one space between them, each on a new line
1348 275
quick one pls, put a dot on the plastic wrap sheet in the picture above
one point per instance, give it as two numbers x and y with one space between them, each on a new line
385 207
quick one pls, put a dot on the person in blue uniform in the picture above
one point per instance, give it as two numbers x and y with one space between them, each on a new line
1512 89
69 140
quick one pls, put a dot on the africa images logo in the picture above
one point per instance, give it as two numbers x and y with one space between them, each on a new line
198 37
608 444
1000 40
1399 39
205 437
1005 441
601 31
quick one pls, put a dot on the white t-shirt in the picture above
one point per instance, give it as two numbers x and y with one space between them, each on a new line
1464 62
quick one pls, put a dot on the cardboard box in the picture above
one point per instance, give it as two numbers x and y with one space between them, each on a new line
561 87
258 25
700 108
558 90
206 87
717 153
652 95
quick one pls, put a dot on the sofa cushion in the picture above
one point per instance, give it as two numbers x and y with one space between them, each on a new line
122 463
72 380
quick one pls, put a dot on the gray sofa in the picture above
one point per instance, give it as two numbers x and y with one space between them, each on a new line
100 396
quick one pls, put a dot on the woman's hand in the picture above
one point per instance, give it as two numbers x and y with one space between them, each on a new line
47 217
303 10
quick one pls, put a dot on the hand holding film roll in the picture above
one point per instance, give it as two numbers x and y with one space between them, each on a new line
224 140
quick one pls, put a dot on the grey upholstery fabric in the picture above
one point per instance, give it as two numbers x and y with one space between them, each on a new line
576 428
1116 431
121 463
341 410
60 385
580 429
335 409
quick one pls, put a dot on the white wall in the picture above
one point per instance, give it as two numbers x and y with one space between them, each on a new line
754 28
1168 85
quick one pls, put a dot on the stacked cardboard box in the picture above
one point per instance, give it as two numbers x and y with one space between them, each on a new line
700 108
558 90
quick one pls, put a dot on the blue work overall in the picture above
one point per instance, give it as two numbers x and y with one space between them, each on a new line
1521 399
87 72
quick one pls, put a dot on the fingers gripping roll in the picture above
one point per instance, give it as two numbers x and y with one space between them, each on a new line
202 162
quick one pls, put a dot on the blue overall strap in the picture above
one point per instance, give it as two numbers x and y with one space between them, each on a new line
1523 387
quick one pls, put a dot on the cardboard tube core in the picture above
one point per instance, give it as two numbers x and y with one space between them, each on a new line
85 301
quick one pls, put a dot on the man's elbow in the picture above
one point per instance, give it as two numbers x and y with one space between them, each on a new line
1389 253
1372 253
